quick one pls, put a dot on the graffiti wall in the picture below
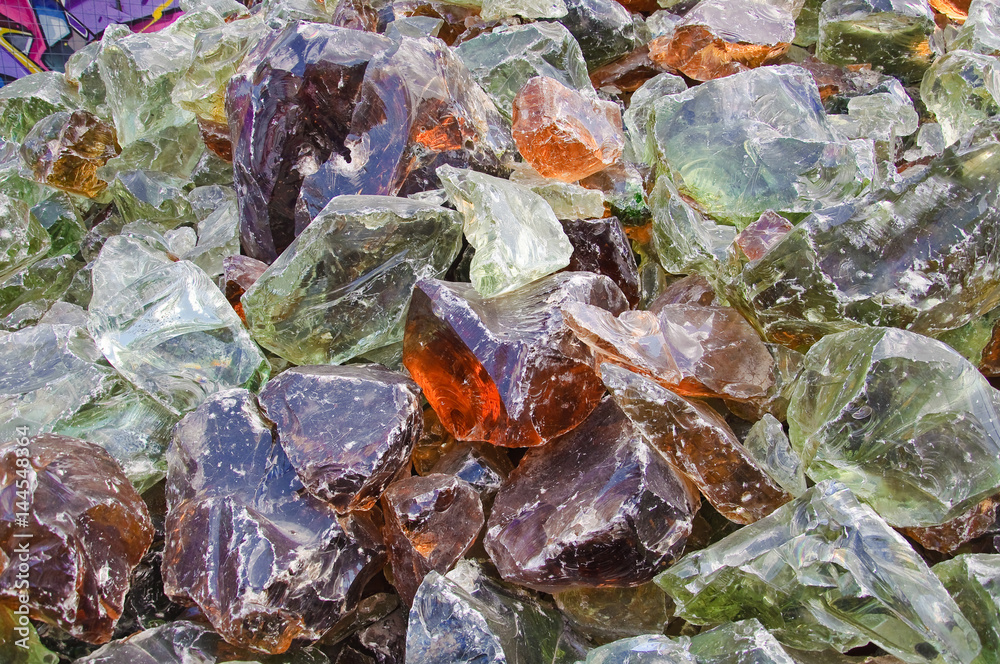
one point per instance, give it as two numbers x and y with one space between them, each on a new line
40 35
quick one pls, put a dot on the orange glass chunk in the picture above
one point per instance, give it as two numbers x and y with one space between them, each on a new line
506 370
956 10
564 134
698 53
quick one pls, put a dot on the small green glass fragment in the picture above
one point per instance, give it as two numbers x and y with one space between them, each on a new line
516 235
973 581
29 99
22 238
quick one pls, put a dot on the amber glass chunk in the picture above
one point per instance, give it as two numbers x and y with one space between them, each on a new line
65 150
506 369
699 54
697 440
980 519
956 10
564 134
430 522
86 529
596 507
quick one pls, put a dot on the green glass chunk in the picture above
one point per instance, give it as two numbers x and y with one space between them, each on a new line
973 581
22 238
58 216
873 407
981 31
43 281
503 60
215 56
139 71
889 34
343 287
29 99
568 201
771 146
516 235
962 89
167 328
824 571
685 240
151 196
55 380
919 256
768 445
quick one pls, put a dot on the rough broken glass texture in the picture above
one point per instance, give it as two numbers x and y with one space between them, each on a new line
503 60
743 642
54 380
824 571
485 467
768 444
151 196
696 350
507 369
172 151
214 60
601 246
139 71
889 34
185 642
981 31
22 238
387 114
618 515
343 286
772 146
87 526
961 89
530 9
65 150
265 561
39 284
978 520
718 38
606 614
699 443
467 617
419 107
59 217
920 258
167 328
873 407
564 134
645 649
287 122
218 239
603 28
973 581
638 116
755 240
27 100
517 237
685 240
430 522
347 431
568 201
